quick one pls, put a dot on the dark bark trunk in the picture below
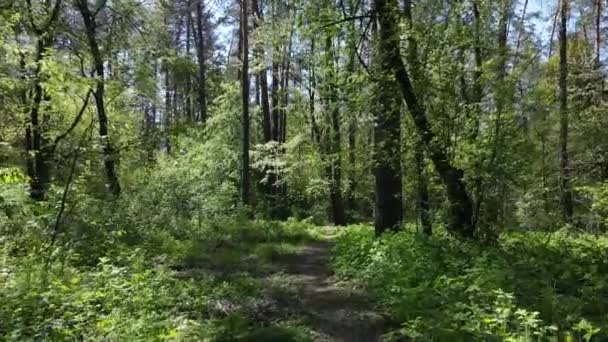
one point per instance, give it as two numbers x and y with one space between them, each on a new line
200 54
38 163
352 151
565 187
189 30
245 99
598 32
275 113
261 52
461 208
477 73
38 150
311 92
387 128
108 150
422 201
501 98
334 144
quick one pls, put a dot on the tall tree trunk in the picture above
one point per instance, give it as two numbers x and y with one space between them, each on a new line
276 105
598 32
38 163
461 207
200 54
565 187
387 128
167 110
38 151
108 150
352 128
501 98
189 78
261 53
245 99
334 146
422 202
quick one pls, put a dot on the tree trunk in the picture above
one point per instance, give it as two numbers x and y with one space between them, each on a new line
245 99
188 94
387 128
461 208
38 163
38 151
334 167
261 52
200 54
98 94
275 113
422 202
565 187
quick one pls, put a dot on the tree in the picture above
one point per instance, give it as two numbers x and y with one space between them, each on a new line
422 199
387 129
109 154
565 187
200 55
37 146
461 207
245 102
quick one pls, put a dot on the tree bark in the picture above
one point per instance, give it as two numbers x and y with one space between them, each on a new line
387 128
275 112
189 79
38 151
108 150
334 167
200 54
36 145
422 202
565 187
245 99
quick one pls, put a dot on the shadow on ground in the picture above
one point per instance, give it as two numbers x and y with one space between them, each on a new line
296 290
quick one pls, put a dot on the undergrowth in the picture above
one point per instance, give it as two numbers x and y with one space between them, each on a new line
100 276
528 287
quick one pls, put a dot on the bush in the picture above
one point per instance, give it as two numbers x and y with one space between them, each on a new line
529 286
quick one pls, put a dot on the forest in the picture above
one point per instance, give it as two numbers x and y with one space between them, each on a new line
303 170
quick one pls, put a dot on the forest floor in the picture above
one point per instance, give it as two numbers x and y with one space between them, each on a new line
298 297
305 288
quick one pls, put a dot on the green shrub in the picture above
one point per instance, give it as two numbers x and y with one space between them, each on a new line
529 286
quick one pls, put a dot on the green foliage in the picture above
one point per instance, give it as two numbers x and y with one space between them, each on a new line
41 301
528 287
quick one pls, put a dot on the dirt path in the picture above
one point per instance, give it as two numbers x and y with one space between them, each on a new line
305 290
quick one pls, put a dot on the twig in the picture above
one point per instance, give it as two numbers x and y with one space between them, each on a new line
75 122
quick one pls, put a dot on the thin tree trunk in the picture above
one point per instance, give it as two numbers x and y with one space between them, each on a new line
245 98
200 53
261 52
275 112
598 32
334 167
478 72
189 79
98 94
422 202
565 187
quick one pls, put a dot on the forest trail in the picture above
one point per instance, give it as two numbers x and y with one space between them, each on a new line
304 289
